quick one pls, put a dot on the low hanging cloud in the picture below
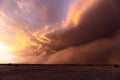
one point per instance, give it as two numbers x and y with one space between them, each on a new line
90 36
95 40
98 21
102 51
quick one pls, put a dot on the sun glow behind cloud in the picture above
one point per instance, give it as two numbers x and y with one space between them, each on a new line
5 54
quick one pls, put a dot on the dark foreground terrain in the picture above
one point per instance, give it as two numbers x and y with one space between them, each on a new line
59 72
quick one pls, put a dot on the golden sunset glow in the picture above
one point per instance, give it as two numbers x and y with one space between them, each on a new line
5 54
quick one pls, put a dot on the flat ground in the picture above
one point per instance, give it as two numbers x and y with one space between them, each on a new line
59 72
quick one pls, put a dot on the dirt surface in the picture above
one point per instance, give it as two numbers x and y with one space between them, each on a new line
59 72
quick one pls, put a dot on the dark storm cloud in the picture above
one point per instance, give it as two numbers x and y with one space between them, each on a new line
103 51
97 22
92 40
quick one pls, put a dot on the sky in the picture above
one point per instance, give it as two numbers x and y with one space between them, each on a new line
60 31
24 22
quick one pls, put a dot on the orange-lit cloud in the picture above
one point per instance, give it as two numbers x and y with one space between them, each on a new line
77 11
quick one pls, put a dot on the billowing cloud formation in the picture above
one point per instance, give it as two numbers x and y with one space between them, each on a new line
98 21
94 36
93 40
77 10
60 31
102 51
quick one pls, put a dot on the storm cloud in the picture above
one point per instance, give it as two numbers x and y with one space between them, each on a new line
95 40
62 31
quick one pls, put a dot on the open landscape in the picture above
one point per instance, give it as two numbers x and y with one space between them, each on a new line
59 72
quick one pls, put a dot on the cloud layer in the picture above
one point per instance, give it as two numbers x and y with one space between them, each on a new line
91 37
62 32
102 51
